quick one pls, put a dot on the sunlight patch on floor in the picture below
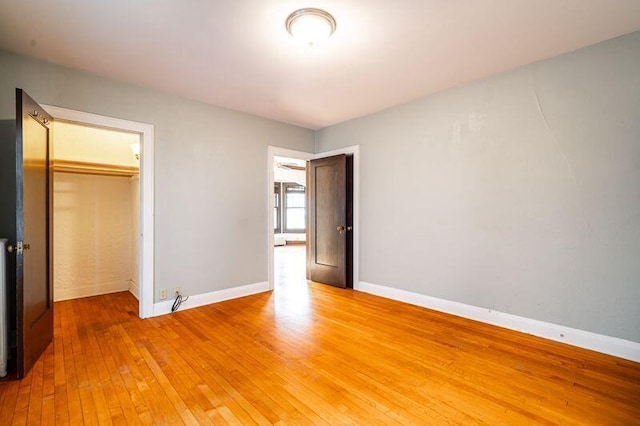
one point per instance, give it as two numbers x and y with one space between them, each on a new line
292 298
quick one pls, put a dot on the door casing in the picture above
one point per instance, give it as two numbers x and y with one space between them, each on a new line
272 152
146 132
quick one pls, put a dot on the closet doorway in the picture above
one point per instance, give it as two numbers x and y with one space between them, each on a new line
96 205
145 237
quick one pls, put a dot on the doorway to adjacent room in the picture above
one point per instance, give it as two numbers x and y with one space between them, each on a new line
307 193
289 220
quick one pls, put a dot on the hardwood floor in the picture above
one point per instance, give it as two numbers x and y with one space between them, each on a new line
310 354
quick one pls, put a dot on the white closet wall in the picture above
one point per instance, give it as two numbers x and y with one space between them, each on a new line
92 235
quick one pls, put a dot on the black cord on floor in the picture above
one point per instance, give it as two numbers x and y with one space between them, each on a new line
180 299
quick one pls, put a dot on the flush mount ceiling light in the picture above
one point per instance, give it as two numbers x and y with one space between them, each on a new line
310 25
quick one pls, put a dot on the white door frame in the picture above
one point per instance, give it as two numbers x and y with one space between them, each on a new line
272 152
146 237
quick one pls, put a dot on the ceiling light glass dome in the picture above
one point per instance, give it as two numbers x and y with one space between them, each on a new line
310 25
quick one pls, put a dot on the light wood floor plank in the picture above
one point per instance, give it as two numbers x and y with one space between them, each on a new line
310 354
48 387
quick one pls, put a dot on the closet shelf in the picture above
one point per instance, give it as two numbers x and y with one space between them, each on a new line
79 167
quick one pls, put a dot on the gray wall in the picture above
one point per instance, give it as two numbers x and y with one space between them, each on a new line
519 193
210 164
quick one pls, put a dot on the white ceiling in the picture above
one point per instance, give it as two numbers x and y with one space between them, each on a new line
237 53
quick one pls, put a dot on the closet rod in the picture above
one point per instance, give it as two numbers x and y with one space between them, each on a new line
100 169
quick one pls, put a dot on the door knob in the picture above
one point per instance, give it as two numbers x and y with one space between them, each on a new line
10 248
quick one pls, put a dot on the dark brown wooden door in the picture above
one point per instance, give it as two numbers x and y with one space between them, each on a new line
34 295
327 234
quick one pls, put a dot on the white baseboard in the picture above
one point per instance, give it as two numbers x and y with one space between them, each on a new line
60 294
134 289
164 307
585 339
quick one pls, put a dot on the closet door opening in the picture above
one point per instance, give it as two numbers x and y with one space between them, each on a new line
96 205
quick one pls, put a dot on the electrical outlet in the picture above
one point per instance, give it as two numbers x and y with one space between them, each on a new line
163 293
177 290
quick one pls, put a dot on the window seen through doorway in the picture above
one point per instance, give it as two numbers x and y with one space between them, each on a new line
289 208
